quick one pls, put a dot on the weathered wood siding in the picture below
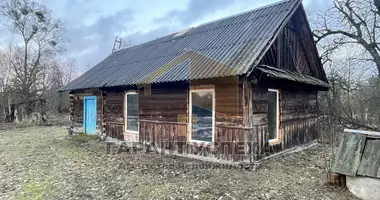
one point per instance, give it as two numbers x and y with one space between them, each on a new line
78 109
164 118
298 120
109 108
169 102
164 102
228 99
294 48
114 114
229 141
164 135
241 117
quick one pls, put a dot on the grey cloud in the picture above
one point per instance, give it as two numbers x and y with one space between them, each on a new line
105 30
195 10
138 38
318 5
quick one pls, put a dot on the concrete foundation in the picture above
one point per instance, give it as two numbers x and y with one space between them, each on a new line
364 187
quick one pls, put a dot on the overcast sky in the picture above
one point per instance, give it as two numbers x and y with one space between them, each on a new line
93 24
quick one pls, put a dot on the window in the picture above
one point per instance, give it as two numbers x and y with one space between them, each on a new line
202 115
132 112
273 115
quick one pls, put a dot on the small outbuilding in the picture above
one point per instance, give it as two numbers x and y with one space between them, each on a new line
238 89
357 162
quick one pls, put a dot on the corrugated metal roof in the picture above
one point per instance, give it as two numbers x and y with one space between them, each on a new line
225 47
292 76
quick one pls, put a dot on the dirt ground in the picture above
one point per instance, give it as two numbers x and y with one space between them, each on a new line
43 163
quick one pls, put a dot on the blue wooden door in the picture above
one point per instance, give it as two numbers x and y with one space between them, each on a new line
89 118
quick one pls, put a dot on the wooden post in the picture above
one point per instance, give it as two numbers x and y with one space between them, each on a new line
248 117
104 129
336 179
71 108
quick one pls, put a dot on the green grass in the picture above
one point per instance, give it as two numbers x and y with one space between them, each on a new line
35 190
84 137
38 151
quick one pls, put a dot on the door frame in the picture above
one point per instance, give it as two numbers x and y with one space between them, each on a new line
84 112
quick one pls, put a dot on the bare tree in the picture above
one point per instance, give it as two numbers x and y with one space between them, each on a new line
4 86
348 36
350 22
41 38
59 73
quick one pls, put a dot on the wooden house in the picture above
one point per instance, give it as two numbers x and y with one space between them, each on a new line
237 89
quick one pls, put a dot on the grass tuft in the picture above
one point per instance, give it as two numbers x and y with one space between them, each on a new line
82 138
35 190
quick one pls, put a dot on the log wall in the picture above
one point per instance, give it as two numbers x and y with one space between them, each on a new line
109 108
77 99
164 118
165 102
298 120
229 141
228 99
241 118
114 114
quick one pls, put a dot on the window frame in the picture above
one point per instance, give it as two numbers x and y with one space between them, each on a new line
278 134
191 91
126 113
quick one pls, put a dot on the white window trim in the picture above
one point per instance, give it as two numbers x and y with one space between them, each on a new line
190 115
277 139
126 113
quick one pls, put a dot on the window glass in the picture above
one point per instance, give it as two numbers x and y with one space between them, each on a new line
202 115
132 112
272 114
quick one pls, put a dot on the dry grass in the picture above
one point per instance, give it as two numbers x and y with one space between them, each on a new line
43 163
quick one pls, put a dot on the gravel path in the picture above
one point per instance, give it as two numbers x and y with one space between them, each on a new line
42 163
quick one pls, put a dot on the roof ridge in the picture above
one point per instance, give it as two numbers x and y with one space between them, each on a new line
247 11
235 42
179 54
182 36
210 22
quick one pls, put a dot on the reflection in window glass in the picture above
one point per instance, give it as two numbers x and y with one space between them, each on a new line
272 114
202 115
132 112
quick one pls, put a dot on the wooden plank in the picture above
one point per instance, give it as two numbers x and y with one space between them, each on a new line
370 133
370 161
349 153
